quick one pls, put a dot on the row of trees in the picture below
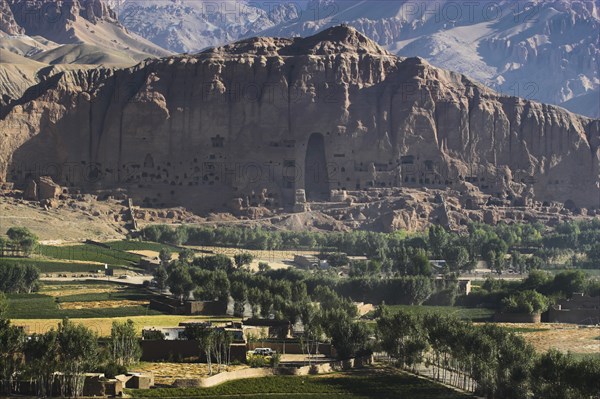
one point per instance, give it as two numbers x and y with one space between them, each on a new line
484 359
408 255
17 278
214 343
276 291
57 360
537 291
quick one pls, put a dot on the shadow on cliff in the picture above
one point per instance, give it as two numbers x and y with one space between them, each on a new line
32 93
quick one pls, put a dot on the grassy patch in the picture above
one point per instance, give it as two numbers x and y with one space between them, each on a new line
583 356
90 253
128 293
39 306
474 314
590 272
368 383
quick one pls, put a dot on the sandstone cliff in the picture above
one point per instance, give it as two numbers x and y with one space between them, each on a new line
266 115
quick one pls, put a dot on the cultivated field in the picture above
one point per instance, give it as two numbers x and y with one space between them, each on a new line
81 299
564 337
167 373
473 314
374 382
102 325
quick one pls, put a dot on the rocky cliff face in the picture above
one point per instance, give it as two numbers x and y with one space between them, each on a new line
188 26
42 16
7 20
88 30
508 45
262 118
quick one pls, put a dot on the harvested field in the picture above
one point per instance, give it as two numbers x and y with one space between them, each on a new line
59 291
103 325
563 337
101 304
275 256
167 373
152 254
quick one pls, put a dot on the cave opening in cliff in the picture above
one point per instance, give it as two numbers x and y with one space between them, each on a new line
316 180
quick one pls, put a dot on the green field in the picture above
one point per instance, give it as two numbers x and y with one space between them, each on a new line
52 266
90 253
359 384
473 314
132 294
581 356
591 272
131 245
41 306
53 259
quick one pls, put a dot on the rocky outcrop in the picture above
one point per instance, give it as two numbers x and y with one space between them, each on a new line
42 189
41 16
202 24
329 112
7 20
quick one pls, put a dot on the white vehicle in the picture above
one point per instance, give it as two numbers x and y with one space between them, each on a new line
264 351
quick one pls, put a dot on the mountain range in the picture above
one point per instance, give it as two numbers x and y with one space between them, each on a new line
543 50
270 122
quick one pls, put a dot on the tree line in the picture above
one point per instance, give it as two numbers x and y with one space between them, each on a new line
55 362
277 292
17 279
289 295
214 343
534 294
485 359
401 253
18 241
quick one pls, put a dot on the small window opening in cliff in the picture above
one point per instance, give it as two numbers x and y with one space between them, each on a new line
570 205
316 180
218 141
148 161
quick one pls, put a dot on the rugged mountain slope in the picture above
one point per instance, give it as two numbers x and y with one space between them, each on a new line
262 118
37 34
544 50
7 20
75 23
185 26
89 22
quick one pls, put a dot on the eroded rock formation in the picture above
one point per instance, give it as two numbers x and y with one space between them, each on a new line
7 20
202 130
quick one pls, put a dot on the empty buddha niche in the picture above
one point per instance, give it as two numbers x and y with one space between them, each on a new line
316 180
